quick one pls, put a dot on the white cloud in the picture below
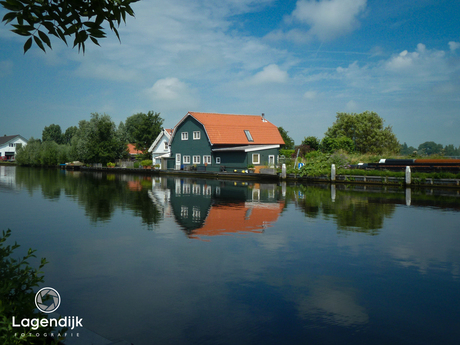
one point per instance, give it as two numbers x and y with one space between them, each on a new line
310 95
168 89
270 74
454 45
329 19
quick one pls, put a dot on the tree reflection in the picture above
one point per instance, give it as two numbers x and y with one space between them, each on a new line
100 194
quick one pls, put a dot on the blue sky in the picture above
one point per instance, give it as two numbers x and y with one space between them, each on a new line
299 62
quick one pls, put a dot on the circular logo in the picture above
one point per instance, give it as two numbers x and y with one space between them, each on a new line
47 300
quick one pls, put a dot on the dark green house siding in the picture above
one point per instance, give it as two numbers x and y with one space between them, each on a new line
230 160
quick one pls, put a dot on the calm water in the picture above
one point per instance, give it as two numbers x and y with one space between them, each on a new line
191 261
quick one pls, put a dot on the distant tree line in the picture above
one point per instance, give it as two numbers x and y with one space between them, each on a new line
98 140
430 148
362 133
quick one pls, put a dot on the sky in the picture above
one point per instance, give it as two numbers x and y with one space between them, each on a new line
298 62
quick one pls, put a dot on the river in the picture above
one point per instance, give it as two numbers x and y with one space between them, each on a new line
192 261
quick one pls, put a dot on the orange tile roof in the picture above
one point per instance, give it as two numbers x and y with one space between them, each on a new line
132 149
249 217
229 129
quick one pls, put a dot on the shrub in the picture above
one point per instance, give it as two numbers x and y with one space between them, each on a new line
146 162
17 298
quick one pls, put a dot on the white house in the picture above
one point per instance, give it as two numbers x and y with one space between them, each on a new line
160 148
9 143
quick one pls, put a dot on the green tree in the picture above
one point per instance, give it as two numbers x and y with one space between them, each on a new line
367 132
430 148
131 125
96 140
52 133
330 145
288 141
145 133
450 150
312 142
407 150
80 19
68 135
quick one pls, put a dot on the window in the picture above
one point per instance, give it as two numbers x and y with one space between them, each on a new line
255 158
271 160
166 146
186 159
196 135
196 159
206 159
217 160
184 135
248 135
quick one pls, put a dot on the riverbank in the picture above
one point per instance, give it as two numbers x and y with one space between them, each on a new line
339 179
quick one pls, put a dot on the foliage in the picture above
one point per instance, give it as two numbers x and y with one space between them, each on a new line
317 164
287 153
68 135
329 144
110 164
312 142
366 131
146 163
430 148
96 140
17 297
407 150
136 165
288 141
52 133
79 19
143 129
46 153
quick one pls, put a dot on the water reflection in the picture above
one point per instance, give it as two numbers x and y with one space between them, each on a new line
275 264
213 208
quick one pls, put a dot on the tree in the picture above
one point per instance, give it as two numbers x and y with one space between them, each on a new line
96 140
312 142
331 145
430 148
68 135
146 131
288 141
52 133
80 19
366 131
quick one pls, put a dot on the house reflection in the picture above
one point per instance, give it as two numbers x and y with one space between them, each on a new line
213 208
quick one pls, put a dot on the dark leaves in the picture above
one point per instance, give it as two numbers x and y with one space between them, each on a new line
79 19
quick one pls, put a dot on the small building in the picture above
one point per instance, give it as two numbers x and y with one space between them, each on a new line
224 142
160 148
9 145
132 151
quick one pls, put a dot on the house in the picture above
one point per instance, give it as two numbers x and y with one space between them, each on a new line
9 144
160 148
133 152
223 142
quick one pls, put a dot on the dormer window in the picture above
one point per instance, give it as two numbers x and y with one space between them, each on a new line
248 135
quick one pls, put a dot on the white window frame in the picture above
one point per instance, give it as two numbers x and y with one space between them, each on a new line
196 135
184 136
217 160
207 159
271 160
166 146
185 159
196 159
258 158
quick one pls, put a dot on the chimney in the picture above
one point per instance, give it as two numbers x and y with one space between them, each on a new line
263 118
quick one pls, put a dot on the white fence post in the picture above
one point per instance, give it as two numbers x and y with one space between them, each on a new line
283 171
408 175
333 172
